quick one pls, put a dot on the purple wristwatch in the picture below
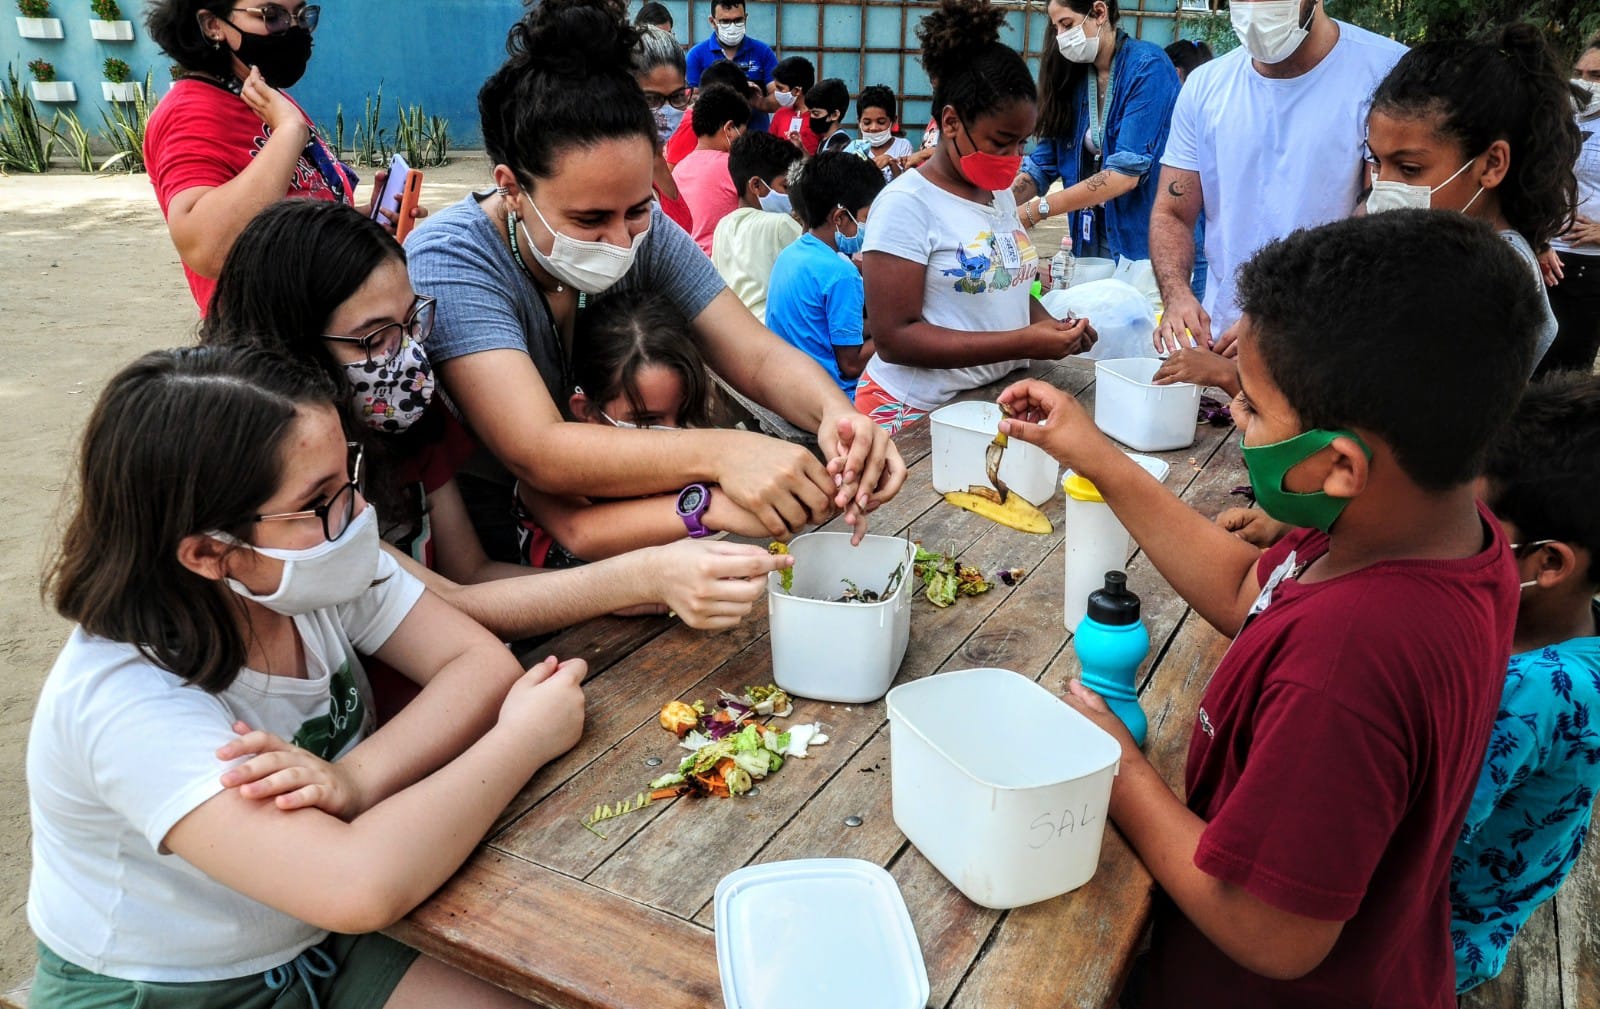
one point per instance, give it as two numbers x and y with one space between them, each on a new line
693 501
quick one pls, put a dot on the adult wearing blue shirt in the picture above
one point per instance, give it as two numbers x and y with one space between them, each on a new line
1105 101
754 57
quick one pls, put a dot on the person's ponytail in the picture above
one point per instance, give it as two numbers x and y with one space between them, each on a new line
970 68
567 81
1540 193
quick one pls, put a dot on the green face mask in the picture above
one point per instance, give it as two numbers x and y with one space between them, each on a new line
1269 464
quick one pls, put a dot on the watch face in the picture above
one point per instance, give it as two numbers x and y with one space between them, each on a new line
690 500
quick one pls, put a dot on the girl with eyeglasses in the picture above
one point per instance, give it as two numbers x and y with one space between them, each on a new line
227 140
216 822
323 284
634 368
658 66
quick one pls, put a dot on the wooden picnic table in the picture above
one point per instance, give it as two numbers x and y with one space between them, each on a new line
551 911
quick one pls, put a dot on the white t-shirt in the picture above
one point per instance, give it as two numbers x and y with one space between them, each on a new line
1547 332
897 147
743 248
1274 155
120 750
1588 169
979 275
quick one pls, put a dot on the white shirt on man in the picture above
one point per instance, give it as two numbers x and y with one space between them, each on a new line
1274 155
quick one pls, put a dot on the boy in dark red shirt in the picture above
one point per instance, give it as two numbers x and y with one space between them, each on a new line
1338 743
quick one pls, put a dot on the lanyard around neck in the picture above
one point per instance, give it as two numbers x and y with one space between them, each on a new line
1097 121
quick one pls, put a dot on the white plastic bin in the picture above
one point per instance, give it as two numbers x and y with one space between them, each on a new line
842 652
1144 417
1093 268
1011 817
1096 542
961 436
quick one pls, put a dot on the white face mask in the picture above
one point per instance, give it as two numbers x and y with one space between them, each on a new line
730 35
774 202
1077 46
667 120
1270 30
328 574
591 267
783 98
1592 89
877 138
1402 195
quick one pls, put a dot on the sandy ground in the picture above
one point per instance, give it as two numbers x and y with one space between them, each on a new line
90 281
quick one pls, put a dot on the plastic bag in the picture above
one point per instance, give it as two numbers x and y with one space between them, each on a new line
1119 313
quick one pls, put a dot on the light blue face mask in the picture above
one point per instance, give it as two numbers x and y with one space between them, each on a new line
774 202
667 120
850 244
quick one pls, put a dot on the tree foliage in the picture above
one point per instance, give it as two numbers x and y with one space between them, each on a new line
1567 23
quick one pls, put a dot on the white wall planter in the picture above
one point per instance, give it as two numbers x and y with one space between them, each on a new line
39 28
111 31
55 91
125 91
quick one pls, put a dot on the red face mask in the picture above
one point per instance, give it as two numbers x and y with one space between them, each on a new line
988 171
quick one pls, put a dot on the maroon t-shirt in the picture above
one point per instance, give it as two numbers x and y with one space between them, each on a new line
1333 757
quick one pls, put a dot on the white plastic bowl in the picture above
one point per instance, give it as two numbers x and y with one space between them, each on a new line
961 435
1011 816
1092 268
1143 416
842 652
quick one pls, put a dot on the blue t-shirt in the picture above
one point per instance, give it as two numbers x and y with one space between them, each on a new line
1530 811
755 57
816 301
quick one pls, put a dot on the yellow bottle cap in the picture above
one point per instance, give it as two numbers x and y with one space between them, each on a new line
1080 488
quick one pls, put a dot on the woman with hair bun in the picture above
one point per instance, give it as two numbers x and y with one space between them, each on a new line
948 267
572 215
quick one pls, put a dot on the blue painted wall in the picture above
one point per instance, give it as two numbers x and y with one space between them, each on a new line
438 52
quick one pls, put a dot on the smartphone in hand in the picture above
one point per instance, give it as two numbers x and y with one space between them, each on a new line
399 196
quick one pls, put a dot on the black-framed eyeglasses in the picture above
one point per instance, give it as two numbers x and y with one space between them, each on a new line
278 18
730 24
336 512
679 99
383 343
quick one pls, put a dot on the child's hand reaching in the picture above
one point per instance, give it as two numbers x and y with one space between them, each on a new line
1199 366
545 707
1093 707
1055 421
291 777
1254 526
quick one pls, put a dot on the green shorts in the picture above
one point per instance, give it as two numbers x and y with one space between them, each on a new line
368 967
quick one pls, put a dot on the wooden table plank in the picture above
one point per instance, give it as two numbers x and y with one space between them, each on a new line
1578 929
561 943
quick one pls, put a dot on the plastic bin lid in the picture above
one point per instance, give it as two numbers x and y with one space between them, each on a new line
1080 488
817 932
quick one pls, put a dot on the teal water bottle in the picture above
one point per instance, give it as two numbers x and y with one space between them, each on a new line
1111 642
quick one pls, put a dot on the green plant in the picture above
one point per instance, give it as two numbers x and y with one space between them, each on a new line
424 139
106 10
117 71
372 140
69 129
335 137
25 145
34 8
1214 29
43 71
438 140
125 128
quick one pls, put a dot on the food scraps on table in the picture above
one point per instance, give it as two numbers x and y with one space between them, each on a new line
728 750
946 578
1012 510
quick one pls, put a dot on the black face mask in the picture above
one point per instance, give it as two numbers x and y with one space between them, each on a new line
821 126
281 58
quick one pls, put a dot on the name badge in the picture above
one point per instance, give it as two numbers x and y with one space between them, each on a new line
1010 253
1087 227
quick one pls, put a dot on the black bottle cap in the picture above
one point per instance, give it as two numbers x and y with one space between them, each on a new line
1114 605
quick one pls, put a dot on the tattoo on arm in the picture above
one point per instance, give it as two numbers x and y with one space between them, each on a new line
1176 189
1096 182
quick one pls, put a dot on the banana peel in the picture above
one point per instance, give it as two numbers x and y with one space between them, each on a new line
1012 511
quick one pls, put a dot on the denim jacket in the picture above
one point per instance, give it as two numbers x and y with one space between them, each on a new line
1145 88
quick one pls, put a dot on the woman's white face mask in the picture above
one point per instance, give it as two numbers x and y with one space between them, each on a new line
591 267
1403 195
1078 46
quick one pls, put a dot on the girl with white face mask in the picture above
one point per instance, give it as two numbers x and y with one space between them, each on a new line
1105 101
204 749
572 216
1479 128
322 284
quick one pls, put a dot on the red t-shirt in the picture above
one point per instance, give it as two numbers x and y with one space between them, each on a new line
677 209
681 142
1333 757
201 134
786 123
